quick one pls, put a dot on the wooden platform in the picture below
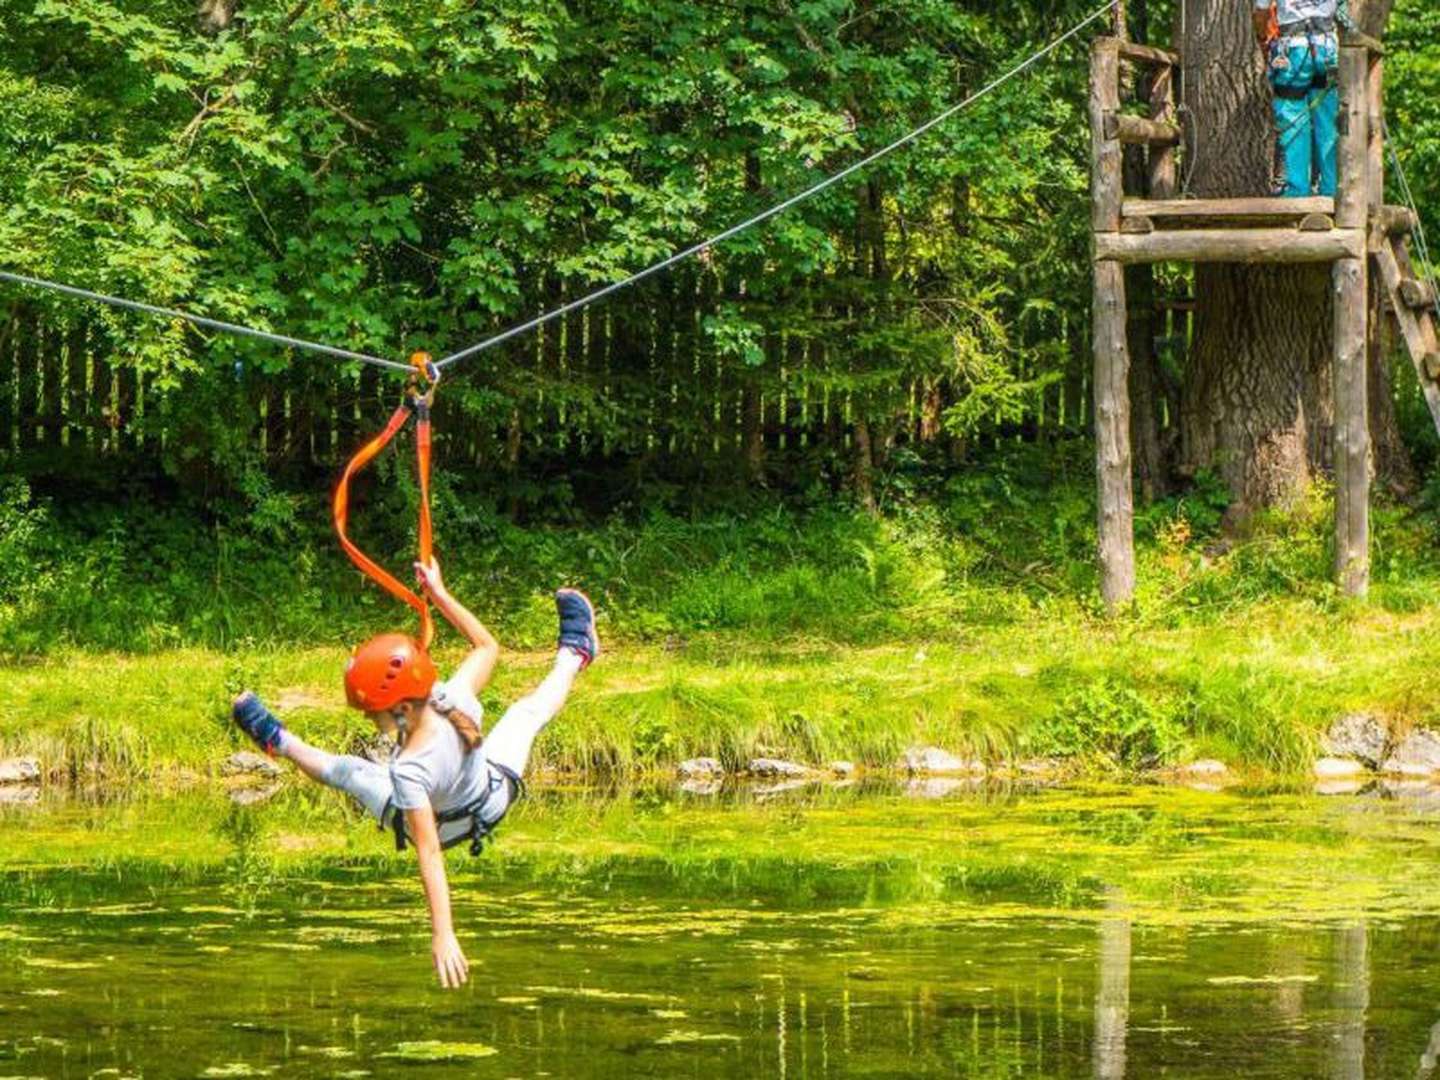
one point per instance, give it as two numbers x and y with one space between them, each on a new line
1227 213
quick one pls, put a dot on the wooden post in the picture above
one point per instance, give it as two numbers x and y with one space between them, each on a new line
1106 179
1351 302
1112 437
1352 430
1375 130
1115 510
1352 196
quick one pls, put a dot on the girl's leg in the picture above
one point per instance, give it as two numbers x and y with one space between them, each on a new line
509 741
366 782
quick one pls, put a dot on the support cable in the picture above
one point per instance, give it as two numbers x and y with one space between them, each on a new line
200 320
1422 244
778 208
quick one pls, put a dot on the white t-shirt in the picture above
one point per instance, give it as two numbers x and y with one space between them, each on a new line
1293 11
442 772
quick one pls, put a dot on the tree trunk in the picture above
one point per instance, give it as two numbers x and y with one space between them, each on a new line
1258 401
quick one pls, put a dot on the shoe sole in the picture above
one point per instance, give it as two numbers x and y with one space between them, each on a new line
590 606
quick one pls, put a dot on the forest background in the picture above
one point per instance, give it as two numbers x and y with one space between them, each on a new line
830 483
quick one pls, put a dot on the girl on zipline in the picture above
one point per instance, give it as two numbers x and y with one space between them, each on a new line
445 783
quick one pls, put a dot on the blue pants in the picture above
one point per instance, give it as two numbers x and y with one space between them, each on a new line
1306 124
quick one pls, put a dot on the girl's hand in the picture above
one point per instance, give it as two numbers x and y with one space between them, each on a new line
429 579
450 962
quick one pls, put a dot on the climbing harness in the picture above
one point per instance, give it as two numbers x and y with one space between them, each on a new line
480 830
417 403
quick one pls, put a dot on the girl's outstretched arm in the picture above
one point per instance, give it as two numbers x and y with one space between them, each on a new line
450 963
475 670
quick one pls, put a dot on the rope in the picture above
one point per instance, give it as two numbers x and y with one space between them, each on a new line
200 320
778 208
1422 244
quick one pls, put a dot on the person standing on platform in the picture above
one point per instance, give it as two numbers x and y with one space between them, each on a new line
1303 56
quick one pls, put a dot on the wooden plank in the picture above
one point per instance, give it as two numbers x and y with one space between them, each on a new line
1352 429
1352 196
1116 508
9 334
1269 209
77 397
1147 54
1137 226
1418 332
1138 131
1106 166
27 406
1316 223
1231 245
52 375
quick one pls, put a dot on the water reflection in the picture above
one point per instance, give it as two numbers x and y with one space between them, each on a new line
1112 991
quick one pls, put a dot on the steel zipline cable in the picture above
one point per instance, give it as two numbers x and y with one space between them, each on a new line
287 341
778 208
200 320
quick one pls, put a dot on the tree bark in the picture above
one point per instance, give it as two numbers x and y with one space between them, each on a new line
1258 401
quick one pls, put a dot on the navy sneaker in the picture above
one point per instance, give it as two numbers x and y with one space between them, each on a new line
257 721
577 624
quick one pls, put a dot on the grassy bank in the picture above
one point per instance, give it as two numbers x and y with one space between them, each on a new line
1253 689
966 619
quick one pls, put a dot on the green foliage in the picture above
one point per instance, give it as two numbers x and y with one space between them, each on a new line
1112 723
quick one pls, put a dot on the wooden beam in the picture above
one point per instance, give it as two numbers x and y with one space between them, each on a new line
1148 54
1394 220
1229 212
1352 429
1360 41
1106 173
1417 294
1231 245
1138 131
1352 195
1116 508
1137 226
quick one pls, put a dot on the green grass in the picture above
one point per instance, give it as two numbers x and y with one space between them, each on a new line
1253 689
966 618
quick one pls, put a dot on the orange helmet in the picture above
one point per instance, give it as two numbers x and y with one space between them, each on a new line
388 669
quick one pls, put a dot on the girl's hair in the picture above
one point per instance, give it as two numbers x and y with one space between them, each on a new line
469 730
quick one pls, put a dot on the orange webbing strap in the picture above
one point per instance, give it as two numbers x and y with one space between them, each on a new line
426 542
341 508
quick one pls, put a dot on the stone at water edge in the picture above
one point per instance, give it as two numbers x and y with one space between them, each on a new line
1338 787
931 760
1334 768
249 763
1205 767
698 767
775 767
1357 735
22 770
842 768
1418 754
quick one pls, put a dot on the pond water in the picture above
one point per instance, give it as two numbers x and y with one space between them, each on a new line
1101 932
